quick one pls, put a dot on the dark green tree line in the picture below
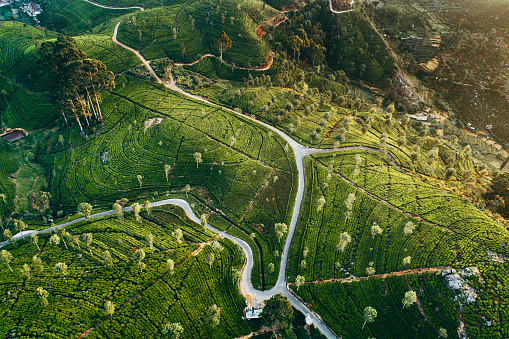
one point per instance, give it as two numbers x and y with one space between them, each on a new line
76 80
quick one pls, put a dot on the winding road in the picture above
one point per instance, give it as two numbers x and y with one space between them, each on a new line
246 287
113 7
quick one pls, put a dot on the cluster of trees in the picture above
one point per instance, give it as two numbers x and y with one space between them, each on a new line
498 195
319 37
75 80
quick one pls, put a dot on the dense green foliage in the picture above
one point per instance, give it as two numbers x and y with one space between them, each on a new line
7 189
230 178
320 231
100 46
183 32
145 301
19 56
75 17
351 43
341 306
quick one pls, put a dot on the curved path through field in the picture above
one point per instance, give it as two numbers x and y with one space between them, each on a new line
113 7
341 11
245 284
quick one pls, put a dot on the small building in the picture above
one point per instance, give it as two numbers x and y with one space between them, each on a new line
421 116
5 2
253 312
309 320
15 134
32 9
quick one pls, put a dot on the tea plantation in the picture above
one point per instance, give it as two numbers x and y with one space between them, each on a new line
244 168
185 31
342 304
384 209
75 305
362 189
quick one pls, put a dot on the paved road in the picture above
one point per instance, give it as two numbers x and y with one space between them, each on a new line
342 11
114 7
246 286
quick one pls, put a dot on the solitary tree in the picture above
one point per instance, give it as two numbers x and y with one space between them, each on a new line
61 268
409 299
281 229
376 230
187 189
197 158
442 333
85 209
20 226
349 205
118 211
8 234
210 259
203 219
409 228
237 274
35 240
171 266
177 234
139 255
167 169
406 260
369 315
148 207
216 246
75 239
61 233
140 179
223 43
321 203
272 268
108 261
172 330
370 270
37 262
150 241
42 296
214 313
109 308
141 266
278 312
232 141
87 239
54 239
136 210
344 239
25 271
299 281
6 258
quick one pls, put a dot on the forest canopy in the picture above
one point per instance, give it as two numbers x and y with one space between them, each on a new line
76 80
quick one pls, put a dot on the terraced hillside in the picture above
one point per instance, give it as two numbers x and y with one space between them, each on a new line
243 170
184 31
75 17
182 295
377 215
395 225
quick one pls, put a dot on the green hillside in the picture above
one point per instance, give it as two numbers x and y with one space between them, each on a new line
74 17
77 303
184 31
244 167
385 295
